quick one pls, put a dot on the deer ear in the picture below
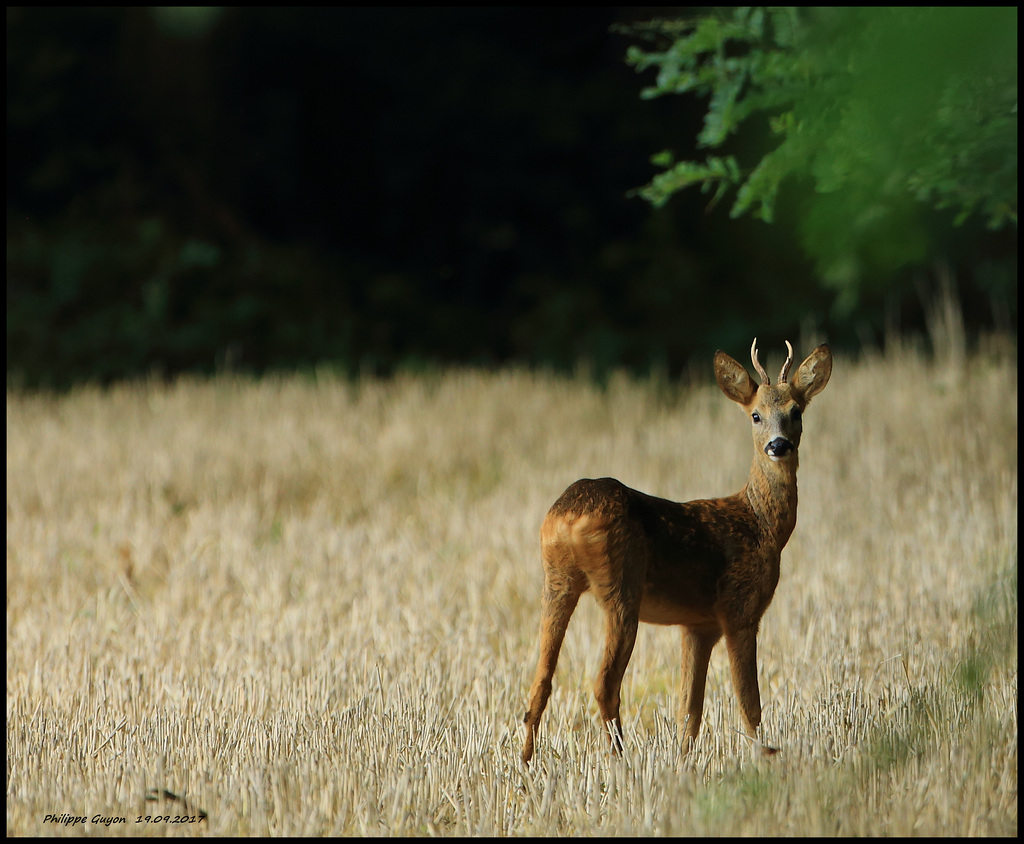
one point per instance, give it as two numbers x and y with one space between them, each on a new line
814 372
734 380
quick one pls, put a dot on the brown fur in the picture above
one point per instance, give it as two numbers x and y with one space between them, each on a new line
710 566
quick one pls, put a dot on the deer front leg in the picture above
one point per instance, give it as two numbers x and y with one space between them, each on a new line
697 649
742 645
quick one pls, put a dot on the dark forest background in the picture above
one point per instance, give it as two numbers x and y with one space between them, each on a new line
259 189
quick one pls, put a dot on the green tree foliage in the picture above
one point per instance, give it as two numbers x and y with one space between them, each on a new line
877 117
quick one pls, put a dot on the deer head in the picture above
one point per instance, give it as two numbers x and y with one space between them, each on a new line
775 411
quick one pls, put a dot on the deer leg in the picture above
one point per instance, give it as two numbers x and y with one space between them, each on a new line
697 649
742 647
559 602
620 635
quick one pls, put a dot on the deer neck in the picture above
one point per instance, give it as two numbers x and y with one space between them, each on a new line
771 493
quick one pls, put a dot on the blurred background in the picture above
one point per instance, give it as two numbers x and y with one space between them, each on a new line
214 189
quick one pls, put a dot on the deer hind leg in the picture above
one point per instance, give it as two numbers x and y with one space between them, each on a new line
697 649
742 646
621 621
561 594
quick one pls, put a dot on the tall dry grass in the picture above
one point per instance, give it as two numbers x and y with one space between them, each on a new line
304 606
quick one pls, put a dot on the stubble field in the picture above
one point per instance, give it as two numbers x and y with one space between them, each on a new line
305 606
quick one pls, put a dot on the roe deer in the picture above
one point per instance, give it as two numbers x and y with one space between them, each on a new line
710 566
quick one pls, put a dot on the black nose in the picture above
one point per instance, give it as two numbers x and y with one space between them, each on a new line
779 447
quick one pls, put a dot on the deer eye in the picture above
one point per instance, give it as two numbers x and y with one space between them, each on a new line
795 415
756 417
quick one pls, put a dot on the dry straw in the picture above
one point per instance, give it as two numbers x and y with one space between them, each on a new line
303 606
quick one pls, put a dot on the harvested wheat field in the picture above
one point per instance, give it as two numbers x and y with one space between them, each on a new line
307 606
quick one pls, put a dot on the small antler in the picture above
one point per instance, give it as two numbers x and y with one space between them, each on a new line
787 364
757 364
